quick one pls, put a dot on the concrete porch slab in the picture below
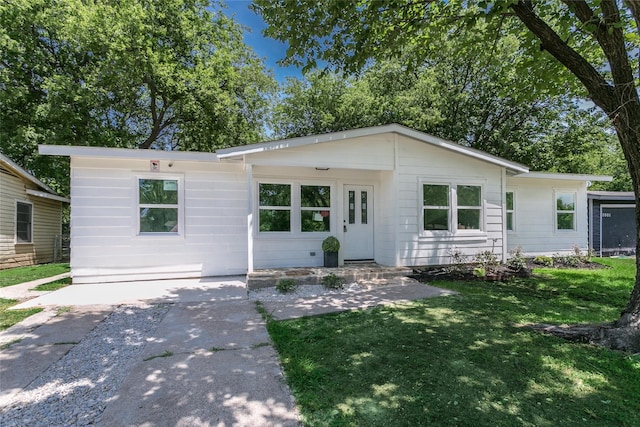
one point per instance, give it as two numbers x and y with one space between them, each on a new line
313 275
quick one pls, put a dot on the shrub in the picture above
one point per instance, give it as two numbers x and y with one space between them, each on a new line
330 244
457 261
517 261
331 281
543 260
486 260
479 272
286 286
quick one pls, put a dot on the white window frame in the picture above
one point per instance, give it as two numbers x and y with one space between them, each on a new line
318 208
296 208
424 207
510 211
556 193
278 208
453 232
180 206
479 208
15 223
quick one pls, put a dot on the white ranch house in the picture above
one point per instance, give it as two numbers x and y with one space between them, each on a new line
390 194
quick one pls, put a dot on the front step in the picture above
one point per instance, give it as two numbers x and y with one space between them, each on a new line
313 276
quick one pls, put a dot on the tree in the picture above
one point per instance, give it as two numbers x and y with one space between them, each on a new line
164 74
584 44
444 97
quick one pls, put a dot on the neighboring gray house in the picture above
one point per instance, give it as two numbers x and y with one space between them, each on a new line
30 217
612 223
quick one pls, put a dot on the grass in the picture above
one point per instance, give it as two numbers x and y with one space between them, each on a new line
9 318
14 276
53 286
166 353
463 360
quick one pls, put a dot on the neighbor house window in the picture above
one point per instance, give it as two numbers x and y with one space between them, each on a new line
469 207
24 222
565 211
435 207
275 207
158 205
510 211
315 208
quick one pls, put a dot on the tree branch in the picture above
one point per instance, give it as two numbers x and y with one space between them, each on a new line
634 6
599 89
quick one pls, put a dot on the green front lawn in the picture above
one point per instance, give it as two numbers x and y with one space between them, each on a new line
11 317
464 361
14 276
54 286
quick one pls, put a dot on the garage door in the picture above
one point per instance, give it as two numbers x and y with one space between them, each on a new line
618 230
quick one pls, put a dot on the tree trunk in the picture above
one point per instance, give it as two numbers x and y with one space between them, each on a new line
618 98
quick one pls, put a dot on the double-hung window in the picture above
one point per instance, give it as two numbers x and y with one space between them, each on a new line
435 207
451 207
294 208
24 222
315 208
565 211
275 207
158 206
469 207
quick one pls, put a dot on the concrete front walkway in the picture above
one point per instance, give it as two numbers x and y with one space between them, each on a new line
222 370
209 361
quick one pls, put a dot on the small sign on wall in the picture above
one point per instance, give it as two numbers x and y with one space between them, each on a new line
154 165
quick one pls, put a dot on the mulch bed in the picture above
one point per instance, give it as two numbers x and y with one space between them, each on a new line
465 272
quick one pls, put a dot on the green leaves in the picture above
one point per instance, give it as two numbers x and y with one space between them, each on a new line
171 74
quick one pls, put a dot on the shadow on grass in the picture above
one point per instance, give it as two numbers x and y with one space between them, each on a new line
463 361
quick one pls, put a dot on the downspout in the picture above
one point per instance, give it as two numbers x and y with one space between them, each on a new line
396 210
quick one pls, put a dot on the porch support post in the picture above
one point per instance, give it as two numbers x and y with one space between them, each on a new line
249 169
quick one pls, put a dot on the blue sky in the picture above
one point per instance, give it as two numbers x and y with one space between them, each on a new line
269 49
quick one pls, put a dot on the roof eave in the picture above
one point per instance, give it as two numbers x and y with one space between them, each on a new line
239 152
565 176
125 153
49 196
24 174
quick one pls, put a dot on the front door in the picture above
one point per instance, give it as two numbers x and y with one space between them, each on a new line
358 222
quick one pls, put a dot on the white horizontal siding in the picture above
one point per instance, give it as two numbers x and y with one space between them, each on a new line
295 249
350 154
419 162
535 229
104 244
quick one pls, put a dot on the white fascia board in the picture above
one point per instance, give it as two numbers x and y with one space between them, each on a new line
125 153
24 174
565 176
48 196
364 132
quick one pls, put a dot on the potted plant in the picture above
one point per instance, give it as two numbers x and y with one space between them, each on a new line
330 247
